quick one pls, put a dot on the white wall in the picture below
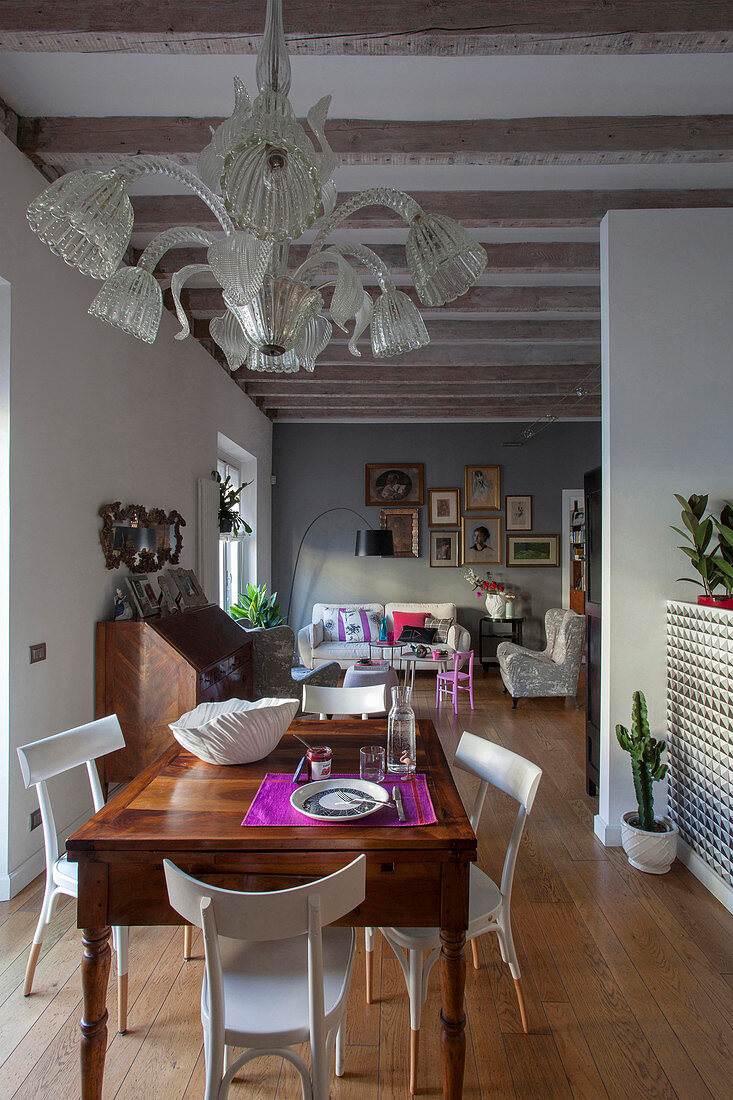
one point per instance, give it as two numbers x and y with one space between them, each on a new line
667 322
96 416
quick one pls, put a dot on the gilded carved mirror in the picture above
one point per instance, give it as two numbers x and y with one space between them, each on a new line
142 540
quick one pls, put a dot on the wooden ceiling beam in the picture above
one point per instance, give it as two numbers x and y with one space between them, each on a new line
525 257
473 209
307 396
524 413
453 403
389 375
208 301
476 355
469 330
370 26
584 139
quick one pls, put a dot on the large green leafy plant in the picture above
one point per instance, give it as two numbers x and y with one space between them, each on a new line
254 604
714 566
646 762
229 500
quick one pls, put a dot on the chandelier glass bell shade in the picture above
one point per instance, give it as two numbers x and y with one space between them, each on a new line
271 182
396 326
274 319
444 260
273 364
86 218
132 300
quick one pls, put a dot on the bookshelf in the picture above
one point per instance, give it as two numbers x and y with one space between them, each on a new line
577 557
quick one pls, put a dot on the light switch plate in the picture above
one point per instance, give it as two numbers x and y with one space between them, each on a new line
38 653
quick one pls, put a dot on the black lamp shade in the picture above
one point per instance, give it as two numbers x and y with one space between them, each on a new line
374 544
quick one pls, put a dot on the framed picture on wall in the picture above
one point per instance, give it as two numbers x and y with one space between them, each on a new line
483 491
144 596
519 513
532 551
404 523
394 483
445 549
444 507
481 540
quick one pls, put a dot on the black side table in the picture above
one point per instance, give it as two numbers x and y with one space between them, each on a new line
489 637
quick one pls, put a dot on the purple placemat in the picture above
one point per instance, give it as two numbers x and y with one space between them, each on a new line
271 804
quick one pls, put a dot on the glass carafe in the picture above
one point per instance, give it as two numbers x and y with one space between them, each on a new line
401 750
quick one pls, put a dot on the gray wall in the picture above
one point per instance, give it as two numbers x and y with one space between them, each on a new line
321 466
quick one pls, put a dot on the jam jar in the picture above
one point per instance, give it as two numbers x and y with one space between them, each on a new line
318 760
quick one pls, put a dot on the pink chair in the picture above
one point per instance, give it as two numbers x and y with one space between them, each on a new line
450 683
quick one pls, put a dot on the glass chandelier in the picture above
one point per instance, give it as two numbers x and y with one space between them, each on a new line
266 182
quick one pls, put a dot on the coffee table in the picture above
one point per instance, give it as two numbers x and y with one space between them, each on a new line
411 660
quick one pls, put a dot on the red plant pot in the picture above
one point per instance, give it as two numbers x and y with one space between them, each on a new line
713 601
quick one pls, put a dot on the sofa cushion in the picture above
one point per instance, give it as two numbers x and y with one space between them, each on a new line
402 619
323 613
439 610
440 626
341 651
358 626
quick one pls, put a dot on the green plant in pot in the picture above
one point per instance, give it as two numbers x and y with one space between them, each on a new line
713 562
649 843
255 605
230 520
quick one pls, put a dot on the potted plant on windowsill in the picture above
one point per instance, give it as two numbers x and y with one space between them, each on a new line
715 567
649 843
230 520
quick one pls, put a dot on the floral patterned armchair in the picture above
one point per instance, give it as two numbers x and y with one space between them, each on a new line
553 671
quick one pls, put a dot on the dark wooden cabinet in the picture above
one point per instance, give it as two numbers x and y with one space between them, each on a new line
593 630
151 672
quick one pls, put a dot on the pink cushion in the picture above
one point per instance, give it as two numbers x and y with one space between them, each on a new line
407 618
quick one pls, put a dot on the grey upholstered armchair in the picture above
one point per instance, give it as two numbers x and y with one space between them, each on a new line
277 671
554 670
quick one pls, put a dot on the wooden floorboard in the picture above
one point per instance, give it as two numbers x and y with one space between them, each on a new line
627 977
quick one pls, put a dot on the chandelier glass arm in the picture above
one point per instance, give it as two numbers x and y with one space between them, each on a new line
398 201
369 259
172 238
134 168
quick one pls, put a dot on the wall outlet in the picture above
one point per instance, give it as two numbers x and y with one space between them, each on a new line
38 653
34 820
273 480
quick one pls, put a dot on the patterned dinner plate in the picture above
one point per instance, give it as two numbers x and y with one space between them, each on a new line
321 800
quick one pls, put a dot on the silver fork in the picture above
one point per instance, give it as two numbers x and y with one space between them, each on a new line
358 799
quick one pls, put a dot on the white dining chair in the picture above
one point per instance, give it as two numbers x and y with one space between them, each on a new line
274 974
340 700
489 904
40 761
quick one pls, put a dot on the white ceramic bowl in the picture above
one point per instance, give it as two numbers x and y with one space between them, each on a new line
236 731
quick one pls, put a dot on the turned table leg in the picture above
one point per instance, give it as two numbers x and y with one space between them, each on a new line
94 978
453 1016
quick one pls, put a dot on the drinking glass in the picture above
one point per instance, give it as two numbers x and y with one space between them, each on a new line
371 763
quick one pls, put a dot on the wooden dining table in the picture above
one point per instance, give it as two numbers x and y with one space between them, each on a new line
191 812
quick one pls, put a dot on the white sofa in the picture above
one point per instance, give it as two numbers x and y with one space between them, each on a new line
314 650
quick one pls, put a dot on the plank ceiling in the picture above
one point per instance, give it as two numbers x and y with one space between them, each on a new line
524 120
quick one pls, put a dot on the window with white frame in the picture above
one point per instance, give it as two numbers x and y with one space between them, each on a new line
230 549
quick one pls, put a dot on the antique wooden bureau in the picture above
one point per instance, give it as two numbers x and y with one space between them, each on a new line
151 672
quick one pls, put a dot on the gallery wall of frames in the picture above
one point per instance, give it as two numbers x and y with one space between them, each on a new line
453 496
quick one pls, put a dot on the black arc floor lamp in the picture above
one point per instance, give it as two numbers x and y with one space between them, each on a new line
370 543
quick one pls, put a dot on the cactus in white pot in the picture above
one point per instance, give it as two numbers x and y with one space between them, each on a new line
649 843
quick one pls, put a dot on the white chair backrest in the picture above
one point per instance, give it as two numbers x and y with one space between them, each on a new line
334 700
41 760
272 914
512 774
262 917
